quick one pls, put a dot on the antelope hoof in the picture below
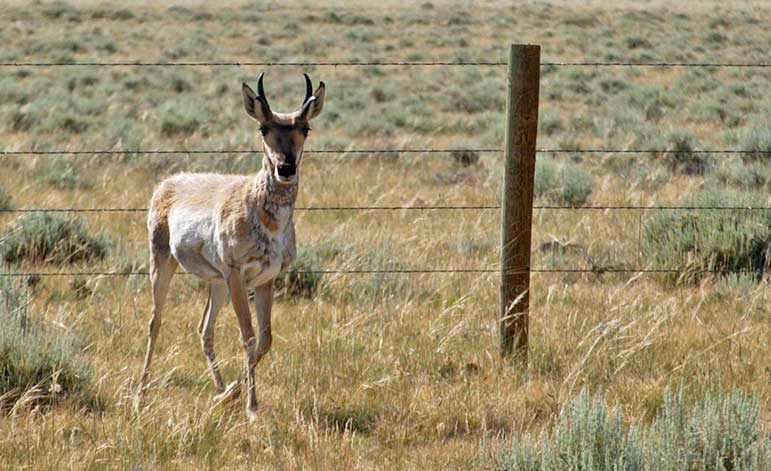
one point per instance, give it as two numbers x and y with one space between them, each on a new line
251 413
230 393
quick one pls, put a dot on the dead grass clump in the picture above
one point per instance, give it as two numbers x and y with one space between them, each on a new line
355 418
6 202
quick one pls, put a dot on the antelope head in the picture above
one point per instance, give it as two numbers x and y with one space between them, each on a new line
283 134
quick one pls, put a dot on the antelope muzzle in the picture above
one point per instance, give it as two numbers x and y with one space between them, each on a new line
287 170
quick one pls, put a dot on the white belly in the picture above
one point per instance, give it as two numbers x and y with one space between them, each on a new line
191 244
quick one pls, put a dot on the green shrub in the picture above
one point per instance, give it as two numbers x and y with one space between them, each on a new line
112 14
612 85
36 355
723 432
569 183
378 287
738 287
719 110
380 95
108 46
51 238
576 184
63 176
716 38
745 175
710 240
180 118
697 81
550 123
70 122
579 82
12 91
464 157
587 436
303 278
644 175
78 81
180 83
57 10
682 156
637 42
370 287
652 101
757 140
581 21
477 96
546 177
25 118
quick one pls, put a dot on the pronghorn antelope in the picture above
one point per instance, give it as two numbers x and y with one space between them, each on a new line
236 232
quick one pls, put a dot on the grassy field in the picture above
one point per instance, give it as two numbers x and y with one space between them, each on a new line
382 371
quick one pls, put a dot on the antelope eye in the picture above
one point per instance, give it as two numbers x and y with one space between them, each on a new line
305 131
263 130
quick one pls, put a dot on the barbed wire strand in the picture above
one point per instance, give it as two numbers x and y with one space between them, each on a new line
141 63
418 208
596 270
240 151
374 151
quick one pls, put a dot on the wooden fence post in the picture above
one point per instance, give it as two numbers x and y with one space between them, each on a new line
517 204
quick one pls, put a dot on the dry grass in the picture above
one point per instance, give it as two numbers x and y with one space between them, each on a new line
410 378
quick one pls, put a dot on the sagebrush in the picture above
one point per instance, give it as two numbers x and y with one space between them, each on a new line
51 238
722 432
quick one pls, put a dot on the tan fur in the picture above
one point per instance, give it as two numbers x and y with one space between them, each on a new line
233 213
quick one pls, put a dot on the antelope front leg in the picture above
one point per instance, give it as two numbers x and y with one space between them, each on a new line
241 306
263 303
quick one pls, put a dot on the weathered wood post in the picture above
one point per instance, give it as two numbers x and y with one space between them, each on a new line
517 204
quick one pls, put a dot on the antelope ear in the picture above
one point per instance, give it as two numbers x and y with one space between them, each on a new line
255 106
314 104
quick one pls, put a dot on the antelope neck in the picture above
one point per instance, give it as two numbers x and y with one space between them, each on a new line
269 196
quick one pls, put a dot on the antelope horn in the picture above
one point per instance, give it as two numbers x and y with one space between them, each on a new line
260 90
261 95
308 89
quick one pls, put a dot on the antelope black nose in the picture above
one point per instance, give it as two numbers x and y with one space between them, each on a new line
287 169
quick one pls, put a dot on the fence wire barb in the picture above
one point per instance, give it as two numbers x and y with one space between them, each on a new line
141 63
